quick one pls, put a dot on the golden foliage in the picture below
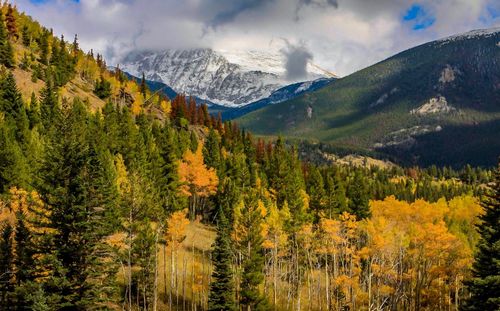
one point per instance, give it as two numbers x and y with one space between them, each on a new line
196 178
137 105
176 230
166 106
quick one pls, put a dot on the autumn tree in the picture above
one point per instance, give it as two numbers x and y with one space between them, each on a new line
198 181
10 20
6 50
175 235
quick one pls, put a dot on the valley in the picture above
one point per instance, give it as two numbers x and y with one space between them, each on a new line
141 174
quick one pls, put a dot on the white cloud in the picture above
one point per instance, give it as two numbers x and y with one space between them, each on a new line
342 38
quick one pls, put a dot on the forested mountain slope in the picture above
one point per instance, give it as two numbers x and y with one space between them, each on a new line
111 197
438 103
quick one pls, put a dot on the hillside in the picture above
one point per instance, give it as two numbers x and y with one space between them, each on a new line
438 103
133 202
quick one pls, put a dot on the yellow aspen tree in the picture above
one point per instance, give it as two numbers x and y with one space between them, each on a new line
198 181
428 257
329 234
275 242
175 234
137 105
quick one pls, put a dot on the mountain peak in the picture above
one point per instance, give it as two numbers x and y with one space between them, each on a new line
476 33
228 78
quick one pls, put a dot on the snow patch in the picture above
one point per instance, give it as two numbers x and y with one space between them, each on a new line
433 106
304 87
232 79
471 35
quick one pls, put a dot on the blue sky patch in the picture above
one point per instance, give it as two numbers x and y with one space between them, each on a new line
494 12
418 17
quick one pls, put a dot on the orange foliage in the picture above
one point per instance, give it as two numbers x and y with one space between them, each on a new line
177 223
197 179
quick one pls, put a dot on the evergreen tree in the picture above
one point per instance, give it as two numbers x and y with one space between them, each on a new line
11 23
26 36
358 195
75 47
6 50
49 107
337 200
7 270
221 295
484 287
24 256
316 190
193 145
143 87
34 111
75 184
102 88
211 150
13 106
44 47
253 265
168 167
14 169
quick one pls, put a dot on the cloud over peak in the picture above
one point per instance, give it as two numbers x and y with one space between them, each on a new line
343 35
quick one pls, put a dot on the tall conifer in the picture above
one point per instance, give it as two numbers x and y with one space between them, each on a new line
221 295
485 285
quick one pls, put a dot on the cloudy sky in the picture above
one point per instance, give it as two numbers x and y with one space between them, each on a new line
339 35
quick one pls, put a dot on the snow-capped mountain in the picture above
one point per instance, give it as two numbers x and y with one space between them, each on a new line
231 79
473 34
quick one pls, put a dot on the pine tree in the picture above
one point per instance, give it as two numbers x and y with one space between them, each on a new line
211 150
76 185
7 270
484 287
11 23
49 106
143 87
34 111
168 166
44 47
221 295
337 200
26 36
253 264
14 170
12 104
358 195
75 48
193 145
316 190
102 88
6 50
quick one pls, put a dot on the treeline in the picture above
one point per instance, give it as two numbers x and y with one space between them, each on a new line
96 203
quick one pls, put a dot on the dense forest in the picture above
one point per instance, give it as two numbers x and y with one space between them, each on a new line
114 197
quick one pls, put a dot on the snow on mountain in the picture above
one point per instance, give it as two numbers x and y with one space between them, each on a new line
228 78
471 35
